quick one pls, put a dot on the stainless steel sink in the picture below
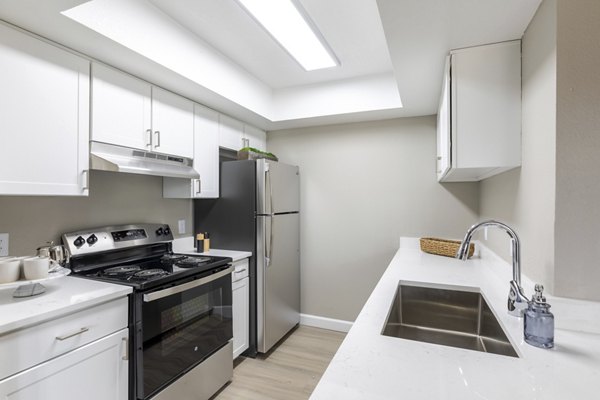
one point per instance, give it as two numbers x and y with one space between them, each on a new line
447 317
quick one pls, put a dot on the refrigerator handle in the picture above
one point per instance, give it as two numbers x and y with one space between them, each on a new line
268 182
269 249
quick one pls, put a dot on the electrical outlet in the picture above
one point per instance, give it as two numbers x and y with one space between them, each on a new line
181 226
3 244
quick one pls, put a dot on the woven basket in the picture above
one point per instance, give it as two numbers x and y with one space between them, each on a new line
443 247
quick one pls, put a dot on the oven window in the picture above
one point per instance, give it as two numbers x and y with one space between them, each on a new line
181 330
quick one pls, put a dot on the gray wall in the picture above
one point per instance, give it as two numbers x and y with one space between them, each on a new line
577 272
524 197
364 185
114 199
553 199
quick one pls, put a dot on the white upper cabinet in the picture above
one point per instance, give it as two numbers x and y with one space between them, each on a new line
130 112
121 109
206 160
172 123
235 135
255 137
231 133
479 120
44 118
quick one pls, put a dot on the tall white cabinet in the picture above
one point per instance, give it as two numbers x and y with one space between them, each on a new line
241 307
44 118
479 119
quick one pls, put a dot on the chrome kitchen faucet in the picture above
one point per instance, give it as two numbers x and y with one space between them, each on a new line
517 301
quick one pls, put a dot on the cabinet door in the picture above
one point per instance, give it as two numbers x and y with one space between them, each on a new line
206 160
486 108
206 151
256 137
241 318
231 133
44 118
97 371
172 124
443 126
121 108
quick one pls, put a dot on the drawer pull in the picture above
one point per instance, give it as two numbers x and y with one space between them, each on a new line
240 271
70 335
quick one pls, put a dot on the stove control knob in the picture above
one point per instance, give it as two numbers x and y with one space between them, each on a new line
79 241
167 231
159 231
92 239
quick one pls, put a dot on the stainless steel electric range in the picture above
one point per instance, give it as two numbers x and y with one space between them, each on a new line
180 314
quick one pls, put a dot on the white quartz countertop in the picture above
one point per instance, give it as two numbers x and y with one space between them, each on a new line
185 245
235 255
371 366
63 296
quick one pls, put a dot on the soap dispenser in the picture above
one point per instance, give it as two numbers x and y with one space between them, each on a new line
538 325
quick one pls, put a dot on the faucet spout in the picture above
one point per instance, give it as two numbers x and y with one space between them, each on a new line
517 301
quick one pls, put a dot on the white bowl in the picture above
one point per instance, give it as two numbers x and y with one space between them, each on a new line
36 267
10 269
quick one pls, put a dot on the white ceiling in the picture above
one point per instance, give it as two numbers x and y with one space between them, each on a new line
213 53
353 29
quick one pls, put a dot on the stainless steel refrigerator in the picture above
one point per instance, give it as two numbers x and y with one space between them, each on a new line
258 210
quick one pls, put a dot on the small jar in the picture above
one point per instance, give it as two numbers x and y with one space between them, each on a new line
538 325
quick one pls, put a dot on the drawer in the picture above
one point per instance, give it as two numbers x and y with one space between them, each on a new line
241 270
36 344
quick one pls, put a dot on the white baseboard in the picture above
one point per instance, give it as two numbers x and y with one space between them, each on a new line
325 323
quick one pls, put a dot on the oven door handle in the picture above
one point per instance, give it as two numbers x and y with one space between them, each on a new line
185 286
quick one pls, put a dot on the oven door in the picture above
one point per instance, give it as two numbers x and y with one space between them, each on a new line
181 326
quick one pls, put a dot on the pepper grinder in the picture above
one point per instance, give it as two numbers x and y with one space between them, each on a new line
538 325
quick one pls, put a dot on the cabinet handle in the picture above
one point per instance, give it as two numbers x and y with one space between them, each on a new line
86 179
197 184
70 335
157 133
149 141
240 271
126 356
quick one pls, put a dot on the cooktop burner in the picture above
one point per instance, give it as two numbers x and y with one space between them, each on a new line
191 262
172 257
121 270
148 273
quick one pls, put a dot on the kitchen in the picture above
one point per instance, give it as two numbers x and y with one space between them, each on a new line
379 158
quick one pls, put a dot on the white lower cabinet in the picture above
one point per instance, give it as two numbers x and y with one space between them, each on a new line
82 355
96 371
241 310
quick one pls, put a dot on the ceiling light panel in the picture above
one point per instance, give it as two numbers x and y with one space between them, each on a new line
291 29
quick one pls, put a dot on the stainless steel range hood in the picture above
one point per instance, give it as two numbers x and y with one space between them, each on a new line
108 157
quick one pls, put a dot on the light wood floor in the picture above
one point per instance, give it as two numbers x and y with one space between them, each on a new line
289 372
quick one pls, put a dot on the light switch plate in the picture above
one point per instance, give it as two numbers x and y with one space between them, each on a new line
3 244
181 226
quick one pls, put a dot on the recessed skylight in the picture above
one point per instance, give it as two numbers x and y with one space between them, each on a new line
293 31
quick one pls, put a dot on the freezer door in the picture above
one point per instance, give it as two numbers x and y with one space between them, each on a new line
278 278
278 187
